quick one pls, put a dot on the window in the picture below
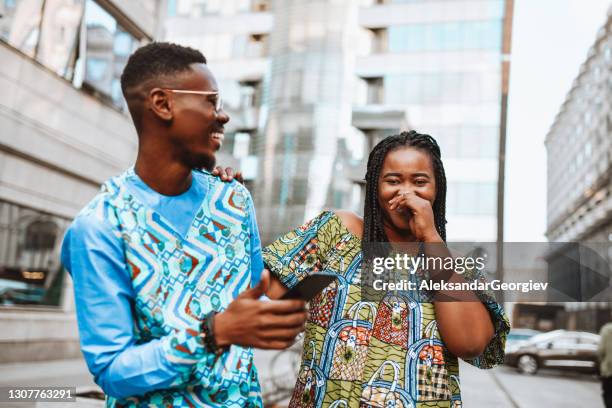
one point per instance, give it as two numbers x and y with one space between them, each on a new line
41 235
242 143
375 90
379 40
108 46
446 36
57 47
261 5
283 189
257 45
250 94
442 87
76 39
248 45
30 272
472 198
171 8
293 88
20 24
566 342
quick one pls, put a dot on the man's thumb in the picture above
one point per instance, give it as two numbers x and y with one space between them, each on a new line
261 288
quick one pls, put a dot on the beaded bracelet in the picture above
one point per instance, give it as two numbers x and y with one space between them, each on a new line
207 327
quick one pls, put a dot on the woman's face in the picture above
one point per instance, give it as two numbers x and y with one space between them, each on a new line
405 170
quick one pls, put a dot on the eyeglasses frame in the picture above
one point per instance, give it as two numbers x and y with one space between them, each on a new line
218 106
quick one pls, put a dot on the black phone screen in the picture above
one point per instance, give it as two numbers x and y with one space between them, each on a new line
309 287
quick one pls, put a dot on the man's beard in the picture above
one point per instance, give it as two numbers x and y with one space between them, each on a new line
203 162
208 163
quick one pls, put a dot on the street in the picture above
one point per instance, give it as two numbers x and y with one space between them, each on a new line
504 387
501 387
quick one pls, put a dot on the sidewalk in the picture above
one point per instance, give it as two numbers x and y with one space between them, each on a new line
504 387
60 373
501 387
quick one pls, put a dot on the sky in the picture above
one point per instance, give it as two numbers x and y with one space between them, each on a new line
550 41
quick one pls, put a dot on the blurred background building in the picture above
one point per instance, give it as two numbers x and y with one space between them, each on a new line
63 131
310 86
579 147
313 85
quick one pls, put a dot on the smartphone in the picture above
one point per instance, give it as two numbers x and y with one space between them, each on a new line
309 287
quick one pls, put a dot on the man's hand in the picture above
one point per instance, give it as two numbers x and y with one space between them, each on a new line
228 174
251 322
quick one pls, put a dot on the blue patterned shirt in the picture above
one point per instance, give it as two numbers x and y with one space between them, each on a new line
146 267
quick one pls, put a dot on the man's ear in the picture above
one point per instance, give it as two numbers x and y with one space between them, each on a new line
160 103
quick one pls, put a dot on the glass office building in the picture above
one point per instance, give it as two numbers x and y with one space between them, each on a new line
64 130
579 190
313 85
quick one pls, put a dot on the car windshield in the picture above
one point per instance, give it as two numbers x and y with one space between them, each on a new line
545 336
519 336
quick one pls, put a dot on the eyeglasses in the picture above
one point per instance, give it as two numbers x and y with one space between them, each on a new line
218 101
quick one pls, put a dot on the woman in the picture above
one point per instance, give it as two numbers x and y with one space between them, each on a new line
397 351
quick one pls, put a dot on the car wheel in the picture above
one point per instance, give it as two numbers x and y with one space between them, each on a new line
527 364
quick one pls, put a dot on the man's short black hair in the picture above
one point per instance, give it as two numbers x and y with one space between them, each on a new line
158 59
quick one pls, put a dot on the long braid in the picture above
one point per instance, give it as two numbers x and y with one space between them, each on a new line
374 241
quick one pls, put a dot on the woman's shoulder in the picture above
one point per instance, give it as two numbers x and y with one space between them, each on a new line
352 222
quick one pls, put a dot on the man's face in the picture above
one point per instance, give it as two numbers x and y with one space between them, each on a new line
196 130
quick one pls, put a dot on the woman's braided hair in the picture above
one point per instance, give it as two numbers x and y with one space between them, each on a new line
374 236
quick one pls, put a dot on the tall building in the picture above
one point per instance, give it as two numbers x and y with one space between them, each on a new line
64 130
579 191
445 64
313 85
235 38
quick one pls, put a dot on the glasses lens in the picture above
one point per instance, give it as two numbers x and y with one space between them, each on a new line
219 104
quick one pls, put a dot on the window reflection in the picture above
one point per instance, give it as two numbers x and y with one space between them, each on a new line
446 36
441 87
472 198
30 272
57 47
108 47
94 61
20 24
200 8
467 142
495 7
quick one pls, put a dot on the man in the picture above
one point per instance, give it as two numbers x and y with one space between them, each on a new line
163 258
605 363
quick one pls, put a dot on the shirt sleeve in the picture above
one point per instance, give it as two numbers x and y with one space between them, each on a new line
256 256
93 254
303 251
494 353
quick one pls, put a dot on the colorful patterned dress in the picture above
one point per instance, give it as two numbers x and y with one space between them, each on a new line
361 353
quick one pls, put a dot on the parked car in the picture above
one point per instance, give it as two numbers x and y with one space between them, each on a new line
559 349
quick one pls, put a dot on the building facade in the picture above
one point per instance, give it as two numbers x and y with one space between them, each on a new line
315 84
64 130
579 190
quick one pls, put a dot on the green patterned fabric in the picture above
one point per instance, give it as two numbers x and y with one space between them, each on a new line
364 353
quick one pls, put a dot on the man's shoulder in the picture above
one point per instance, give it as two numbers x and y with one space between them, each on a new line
228 187
92 228
96 217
